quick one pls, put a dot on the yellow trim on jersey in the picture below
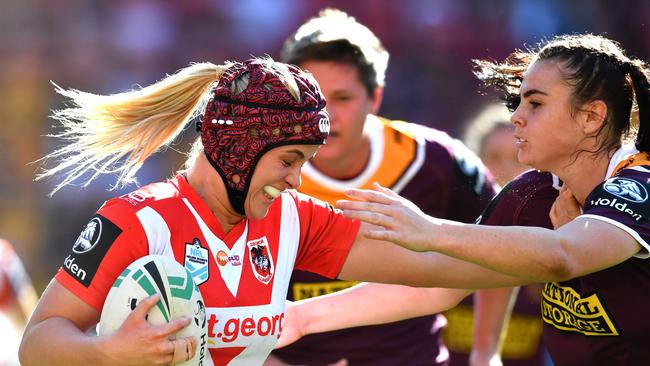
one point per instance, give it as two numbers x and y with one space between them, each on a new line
399 152
302 290
637 159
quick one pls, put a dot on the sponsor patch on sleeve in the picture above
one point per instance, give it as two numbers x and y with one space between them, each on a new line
89 249
626 195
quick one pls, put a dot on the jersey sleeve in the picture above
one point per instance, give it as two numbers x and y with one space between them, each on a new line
107 244
622 201
326 237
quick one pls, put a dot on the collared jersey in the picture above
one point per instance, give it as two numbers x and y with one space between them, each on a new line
243 275
599 318
442 177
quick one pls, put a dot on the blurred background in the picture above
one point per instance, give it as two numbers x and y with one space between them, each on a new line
110 46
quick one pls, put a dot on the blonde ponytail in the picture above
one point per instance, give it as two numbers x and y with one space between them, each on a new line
117 133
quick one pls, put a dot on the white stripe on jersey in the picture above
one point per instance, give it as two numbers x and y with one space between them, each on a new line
556 182
231 275
258 327
414 168
157 231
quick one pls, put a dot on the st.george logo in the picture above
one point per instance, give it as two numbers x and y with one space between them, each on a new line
627 189
261 260
89 237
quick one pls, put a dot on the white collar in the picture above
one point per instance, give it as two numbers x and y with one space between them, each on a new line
624 152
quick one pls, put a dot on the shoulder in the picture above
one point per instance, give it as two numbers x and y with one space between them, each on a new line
629 188
532 182
439 146
303 200
526 200
149 195
430 137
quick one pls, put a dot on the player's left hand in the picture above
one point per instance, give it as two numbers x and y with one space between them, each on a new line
388 216
291 330
565 208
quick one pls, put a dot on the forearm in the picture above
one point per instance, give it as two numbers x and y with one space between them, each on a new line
56 341
372 303
533 254
396 265
491 313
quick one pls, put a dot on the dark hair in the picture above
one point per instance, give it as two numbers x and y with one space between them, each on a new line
597 69
333 35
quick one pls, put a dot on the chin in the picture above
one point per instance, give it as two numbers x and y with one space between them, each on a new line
258 214
523 158
328 151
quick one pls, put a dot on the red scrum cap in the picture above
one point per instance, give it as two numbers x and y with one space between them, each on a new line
240 124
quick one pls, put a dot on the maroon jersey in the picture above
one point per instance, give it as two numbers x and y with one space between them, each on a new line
441 176
599 318
526 201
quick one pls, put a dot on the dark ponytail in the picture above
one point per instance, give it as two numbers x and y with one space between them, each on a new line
638 74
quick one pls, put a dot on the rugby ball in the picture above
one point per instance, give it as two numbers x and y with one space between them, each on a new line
179 296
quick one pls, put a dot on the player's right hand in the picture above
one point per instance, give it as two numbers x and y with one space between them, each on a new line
137 342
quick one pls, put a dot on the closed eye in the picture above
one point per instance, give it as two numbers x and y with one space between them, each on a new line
534 104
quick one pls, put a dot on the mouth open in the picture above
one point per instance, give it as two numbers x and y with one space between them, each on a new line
271 192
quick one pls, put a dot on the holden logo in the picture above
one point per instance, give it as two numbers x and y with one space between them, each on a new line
626 189
88 237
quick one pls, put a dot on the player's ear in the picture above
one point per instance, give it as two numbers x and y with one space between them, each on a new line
376 97
595 113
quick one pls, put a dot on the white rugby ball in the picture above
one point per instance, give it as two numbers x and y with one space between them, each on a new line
179 296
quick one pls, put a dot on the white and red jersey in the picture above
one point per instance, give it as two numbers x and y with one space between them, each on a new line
243 275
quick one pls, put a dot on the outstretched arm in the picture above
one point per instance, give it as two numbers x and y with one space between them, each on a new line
533 254
363 304
384 262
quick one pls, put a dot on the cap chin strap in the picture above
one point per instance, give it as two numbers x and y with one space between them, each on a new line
236 198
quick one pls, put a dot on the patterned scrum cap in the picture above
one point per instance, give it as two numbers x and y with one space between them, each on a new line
237 129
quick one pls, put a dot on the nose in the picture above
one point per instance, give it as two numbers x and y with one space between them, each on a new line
517 117
293 178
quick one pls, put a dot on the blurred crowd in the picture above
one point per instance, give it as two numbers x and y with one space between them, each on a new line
108 46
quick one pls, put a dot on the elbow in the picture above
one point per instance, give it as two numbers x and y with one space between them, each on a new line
559 264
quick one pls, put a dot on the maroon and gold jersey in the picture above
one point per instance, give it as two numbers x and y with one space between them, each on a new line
598 319
525 201
445 179
243 275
